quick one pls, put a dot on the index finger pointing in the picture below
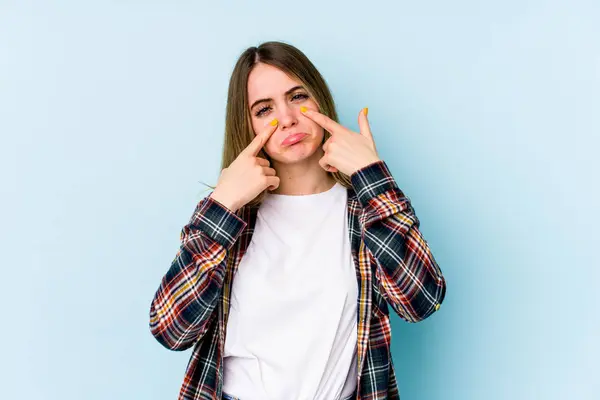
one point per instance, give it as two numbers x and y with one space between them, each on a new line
323 120
261 139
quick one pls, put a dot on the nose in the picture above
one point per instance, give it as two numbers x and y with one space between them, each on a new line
288 116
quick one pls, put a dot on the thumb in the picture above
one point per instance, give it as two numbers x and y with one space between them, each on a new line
363 124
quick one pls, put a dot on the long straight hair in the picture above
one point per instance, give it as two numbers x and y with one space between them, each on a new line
238 123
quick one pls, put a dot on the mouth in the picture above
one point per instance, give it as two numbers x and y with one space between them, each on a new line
293 139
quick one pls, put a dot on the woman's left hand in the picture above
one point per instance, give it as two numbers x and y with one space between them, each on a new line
345 150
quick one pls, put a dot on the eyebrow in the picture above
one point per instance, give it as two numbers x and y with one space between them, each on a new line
286 93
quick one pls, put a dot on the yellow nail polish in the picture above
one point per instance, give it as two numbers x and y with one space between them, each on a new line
303 109
274 122
366 111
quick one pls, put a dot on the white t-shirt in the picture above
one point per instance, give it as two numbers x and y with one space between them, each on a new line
291 331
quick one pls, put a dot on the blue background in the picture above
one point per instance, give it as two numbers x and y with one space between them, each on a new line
487 114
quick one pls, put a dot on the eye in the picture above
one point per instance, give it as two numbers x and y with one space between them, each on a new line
263 110
300 96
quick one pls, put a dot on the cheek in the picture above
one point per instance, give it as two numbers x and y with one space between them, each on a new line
255 127
271 147
319 131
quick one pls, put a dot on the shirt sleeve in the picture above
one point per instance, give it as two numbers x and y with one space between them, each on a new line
409 277
182 307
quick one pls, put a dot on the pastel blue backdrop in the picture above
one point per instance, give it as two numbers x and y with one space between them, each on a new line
487 113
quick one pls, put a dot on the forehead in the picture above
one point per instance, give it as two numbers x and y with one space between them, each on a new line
267 81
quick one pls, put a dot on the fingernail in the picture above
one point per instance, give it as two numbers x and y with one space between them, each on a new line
303 109
274 122
366 111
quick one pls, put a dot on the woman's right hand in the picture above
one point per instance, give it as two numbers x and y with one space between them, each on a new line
248 175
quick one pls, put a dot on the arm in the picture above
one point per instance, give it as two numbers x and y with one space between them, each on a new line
184 302
409 277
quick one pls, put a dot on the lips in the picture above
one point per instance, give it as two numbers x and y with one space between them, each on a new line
294 138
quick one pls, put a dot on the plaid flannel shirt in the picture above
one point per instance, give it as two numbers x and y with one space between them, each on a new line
394 266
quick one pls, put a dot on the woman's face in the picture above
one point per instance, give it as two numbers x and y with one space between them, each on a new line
273 94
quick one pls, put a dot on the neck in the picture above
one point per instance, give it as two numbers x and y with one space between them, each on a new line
303 178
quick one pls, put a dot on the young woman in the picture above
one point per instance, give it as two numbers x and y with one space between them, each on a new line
286 270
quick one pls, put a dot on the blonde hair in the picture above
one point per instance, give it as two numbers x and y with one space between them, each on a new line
238 125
